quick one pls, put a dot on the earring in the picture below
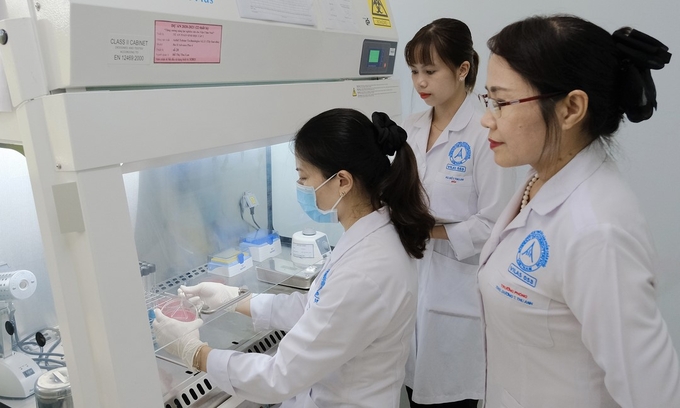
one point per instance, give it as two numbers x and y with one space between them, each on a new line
462 78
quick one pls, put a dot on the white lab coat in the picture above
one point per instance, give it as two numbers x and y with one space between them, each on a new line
347 339
467 192
568 292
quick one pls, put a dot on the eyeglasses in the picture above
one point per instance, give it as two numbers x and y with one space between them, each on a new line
495 107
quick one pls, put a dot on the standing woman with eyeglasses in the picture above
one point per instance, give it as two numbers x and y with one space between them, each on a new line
568 277
467 192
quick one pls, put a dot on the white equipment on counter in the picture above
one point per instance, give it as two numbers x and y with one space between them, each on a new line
309 247
101 89
18 372
17 285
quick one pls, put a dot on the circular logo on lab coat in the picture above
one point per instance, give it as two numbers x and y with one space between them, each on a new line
460 153
533 252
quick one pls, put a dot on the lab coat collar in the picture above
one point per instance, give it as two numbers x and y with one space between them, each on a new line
560 186
550 196
460 120
357 232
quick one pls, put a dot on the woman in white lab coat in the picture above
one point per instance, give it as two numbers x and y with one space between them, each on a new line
467 192
348 338
567 276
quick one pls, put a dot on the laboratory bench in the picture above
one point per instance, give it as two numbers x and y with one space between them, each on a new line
222 329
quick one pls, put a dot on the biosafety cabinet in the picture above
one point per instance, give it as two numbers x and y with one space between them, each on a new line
156 135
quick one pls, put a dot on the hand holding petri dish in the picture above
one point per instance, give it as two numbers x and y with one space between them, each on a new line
180 308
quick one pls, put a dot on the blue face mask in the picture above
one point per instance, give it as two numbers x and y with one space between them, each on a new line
306 196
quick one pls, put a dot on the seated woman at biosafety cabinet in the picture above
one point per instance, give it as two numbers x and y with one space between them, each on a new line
348 338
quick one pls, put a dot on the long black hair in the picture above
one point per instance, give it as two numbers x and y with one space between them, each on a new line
345 139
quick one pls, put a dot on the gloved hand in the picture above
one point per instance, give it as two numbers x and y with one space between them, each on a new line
212 294
178 338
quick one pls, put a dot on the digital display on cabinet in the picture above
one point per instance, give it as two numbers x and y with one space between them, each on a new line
373 56
377 57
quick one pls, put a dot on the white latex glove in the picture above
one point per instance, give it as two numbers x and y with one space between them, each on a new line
212 294
178 338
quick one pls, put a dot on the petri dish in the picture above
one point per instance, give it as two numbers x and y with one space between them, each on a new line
179 308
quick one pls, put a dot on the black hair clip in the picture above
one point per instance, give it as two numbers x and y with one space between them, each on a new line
639 53
642 49
390 136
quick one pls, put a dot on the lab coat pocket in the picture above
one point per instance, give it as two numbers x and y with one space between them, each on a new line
451 197
452 287
443 248
527 311
507 401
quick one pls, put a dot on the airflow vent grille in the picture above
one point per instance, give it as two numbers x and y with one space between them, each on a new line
202 386
267 342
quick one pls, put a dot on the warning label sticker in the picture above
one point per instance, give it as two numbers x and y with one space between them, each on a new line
375 88
379 13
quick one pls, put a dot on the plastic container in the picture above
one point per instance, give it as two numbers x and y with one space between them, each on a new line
261 244
179 308
53 390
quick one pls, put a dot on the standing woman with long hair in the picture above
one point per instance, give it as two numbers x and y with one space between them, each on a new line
467 192
348 338
568 276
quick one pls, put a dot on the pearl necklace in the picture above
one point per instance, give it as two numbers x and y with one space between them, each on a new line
525 197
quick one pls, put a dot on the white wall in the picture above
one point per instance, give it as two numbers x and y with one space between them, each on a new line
648 151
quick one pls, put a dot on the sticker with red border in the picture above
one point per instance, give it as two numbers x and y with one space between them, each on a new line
178 42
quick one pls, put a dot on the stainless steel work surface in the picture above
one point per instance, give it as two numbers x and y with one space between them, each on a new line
222 329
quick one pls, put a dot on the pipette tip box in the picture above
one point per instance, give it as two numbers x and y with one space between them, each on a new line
230 262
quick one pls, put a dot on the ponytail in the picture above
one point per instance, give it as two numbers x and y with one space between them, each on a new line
345 139
401 189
